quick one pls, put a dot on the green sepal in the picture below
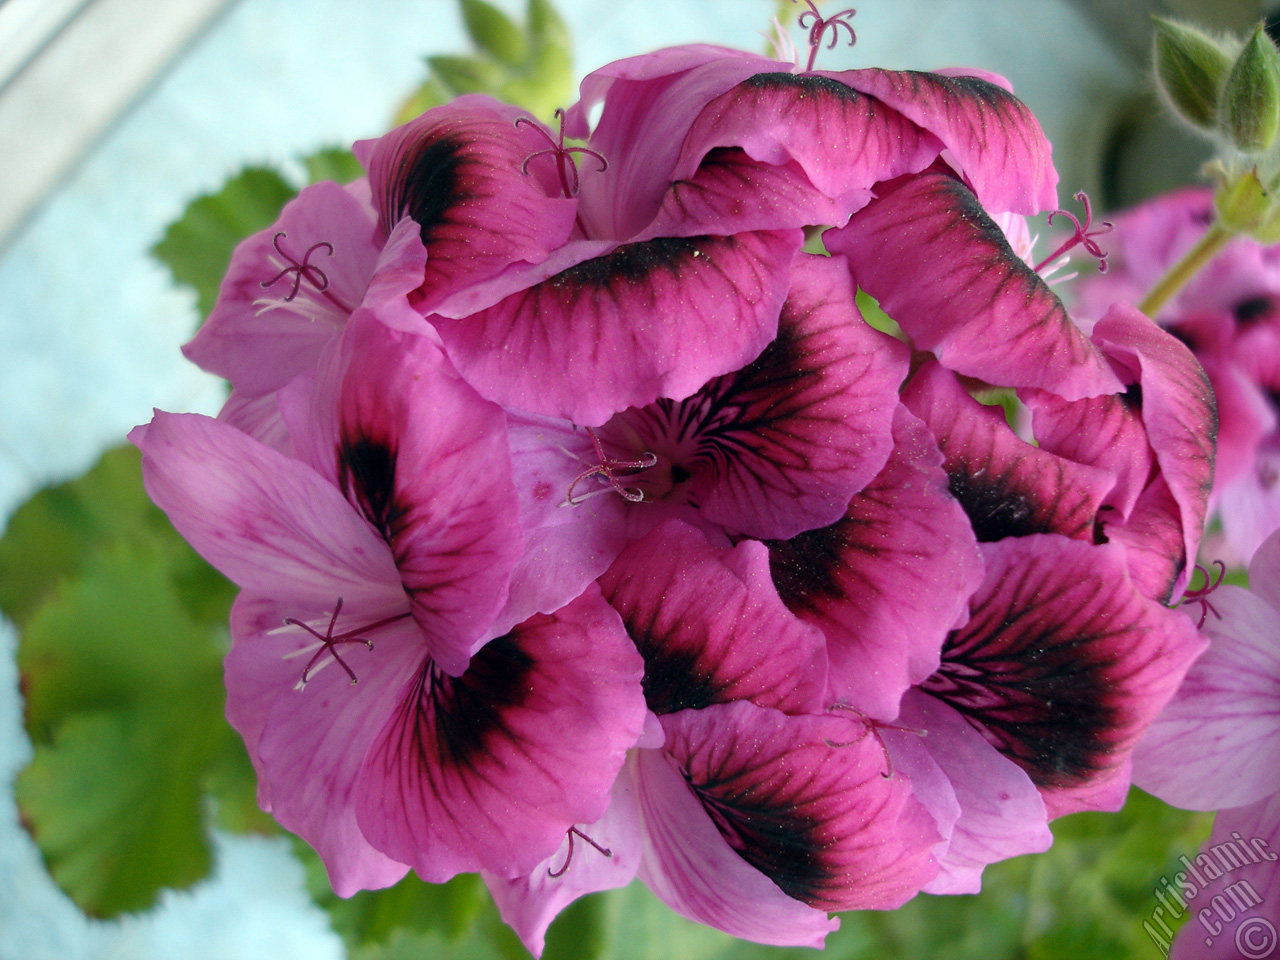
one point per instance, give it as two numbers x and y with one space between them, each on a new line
1191 69
197 246
1242 202
1251 97
338 164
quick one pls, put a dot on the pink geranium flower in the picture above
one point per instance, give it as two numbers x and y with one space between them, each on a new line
1217 747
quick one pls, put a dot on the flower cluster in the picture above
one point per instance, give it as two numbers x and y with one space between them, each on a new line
1229 315
586 530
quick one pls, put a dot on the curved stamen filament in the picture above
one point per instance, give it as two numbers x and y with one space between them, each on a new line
301 270
563 156
606 468
572 832
1082 236
873 727
818 25
1201 595
329 643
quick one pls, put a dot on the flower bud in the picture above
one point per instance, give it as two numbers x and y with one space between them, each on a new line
1251 98
1191 68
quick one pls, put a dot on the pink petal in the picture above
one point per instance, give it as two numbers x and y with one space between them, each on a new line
1217 744
805 804
457 171
689 866
1063 664
1001 813
289 290
710 627
426 462
1232 887
937 264
815 133
269 523
787 440
529 904
572 347
308 744
1153 539
887 581
488 770
1008 487
995 141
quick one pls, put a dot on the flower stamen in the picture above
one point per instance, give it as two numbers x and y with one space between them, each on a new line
300 270
1082 236
818 25
329 643
571 833
1201 595
873 727
606 468
563 155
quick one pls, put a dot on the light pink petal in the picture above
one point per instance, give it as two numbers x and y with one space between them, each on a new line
887 581
1063 664
1217 743
488 770
260 418
1264 571
992 136
710 627
529 904
1008 487
308 744
269 523
1235 907
1250 505
1002 814
653 319
425 460
567 545
804 801
938 264
289 290
457 171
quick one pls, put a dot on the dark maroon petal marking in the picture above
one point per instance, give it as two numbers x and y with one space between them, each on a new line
1063 662
709 627
942 268
1008 487
649 319
991 134
819 821
367 475
887 581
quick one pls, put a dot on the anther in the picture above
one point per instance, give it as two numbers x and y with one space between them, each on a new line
1082 236
563 155
1201 595
606 468
300 270
873 727
329 643
571 833
817 25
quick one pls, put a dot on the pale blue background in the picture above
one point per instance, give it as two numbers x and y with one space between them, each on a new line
90 326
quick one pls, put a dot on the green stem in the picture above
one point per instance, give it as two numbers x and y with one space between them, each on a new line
1214 239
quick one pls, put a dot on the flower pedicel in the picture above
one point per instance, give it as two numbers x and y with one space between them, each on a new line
586 530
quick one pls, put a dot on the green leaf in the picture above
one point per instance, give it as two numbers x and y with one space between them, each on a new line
338 164
494 33
125 706
197 247
468 74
